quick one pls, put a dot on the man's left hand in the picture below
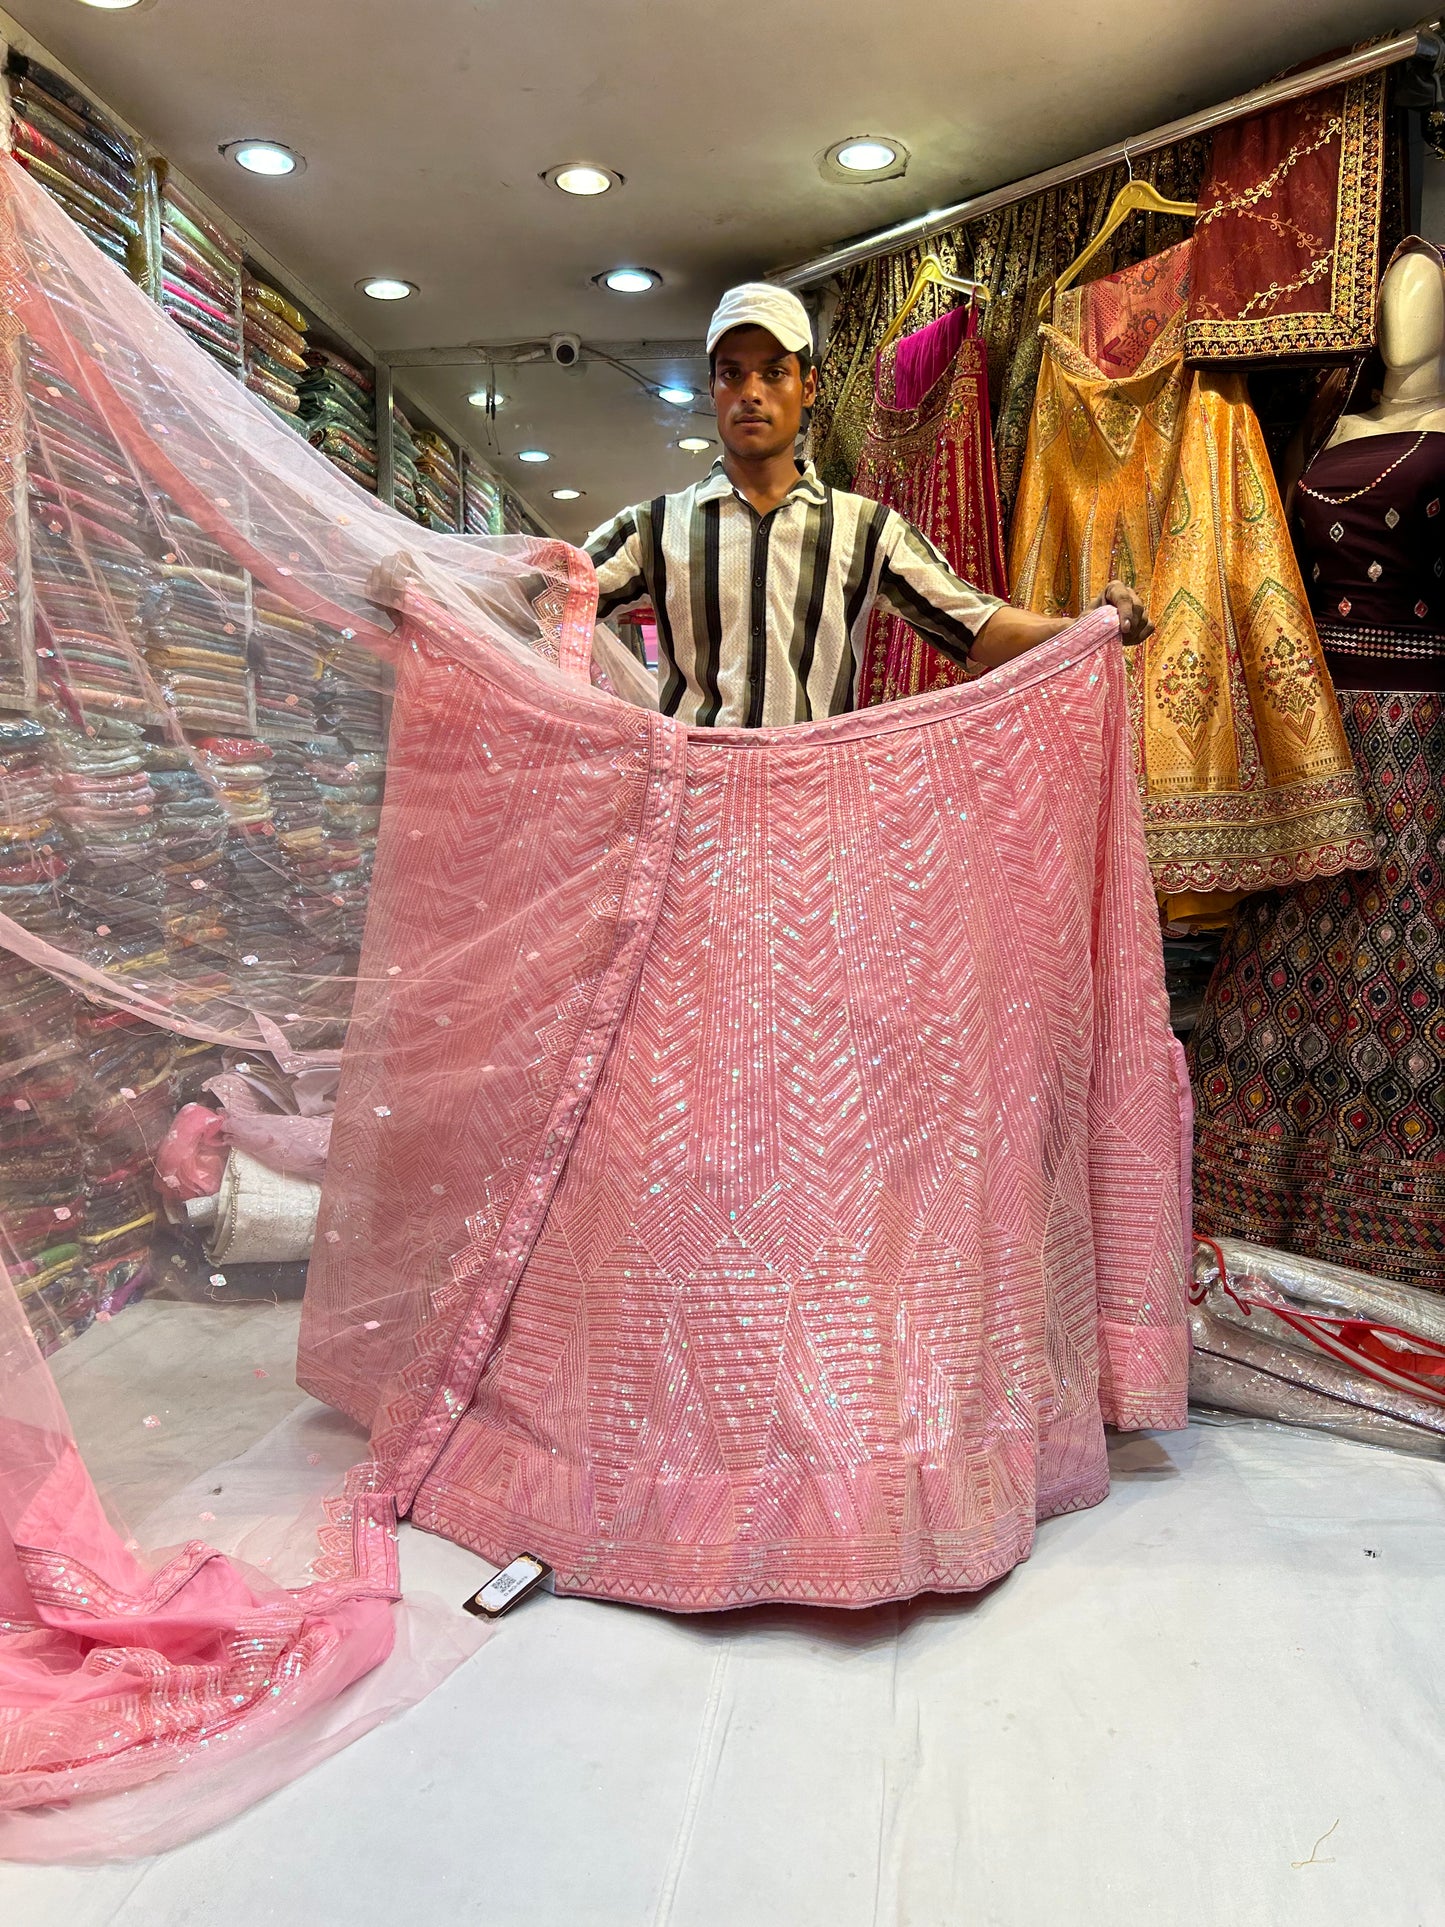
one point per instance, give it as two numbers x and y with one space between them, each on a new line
1134 624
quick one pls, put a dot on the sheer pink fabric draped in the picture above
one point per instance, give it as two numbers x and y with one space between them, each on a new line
156 522
756 1172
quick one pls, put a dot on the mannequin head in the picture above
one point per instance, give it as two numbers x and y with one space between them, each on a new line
1412 311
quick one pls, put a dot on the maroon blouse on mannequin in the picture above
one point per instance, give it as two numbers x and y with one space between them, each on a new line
1374 565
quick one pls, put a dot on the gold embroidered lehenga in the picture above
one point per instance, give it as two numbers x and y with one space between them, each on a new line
1142 469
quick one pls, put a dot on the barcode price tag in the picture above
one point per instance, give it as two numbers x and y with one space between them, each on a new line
509 1587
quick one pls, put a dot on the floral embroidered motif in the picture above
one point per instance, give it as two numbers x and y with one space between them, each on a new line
1187 688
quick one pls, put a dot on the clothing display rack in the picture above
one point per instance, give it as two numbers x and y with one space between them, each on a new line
1420 43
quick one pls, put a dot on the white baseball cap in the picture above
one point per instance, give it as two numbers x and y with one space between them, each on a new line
758 304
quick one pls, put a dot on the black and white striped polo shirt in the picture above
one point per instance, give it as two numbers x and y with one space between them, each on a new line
760 619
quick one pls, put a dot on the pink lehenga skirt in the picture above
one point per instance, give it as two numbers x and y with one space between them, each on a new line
757 1171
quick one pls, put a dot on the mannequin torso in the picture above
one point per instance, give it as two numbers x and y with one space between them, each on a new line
1412 345
1369 512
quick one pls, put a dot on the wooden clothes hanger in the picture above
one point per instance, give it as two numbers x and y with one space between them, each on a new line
1135 197
931 274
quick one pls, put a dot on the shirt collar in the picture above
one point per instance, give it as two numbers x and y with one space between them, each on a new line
715 485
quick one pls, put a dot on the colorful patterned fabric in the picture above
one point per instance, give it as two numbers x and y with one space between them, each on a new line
1287 244
1319 1060
929 454
1017 253
1141 469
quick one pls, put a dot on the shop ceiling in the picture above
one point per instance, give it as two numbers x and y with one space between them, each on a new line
426 126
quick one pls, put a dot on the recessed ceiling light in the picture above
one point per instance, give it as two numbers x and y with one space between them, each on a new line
694 444
533 455
629 280
568 494
581 177
679 397
865 157
117 6
381 287
479 398
261 157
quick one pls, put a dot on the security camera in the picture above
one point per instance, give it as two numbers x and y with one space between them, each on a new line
565 350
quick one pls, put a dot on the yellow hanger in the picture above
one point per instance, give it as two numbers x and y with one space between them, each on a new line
931 274
1134 197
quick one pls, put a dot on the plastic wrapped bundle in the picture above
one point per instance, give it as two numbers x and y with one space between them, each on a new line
483 504
201 278
275 337
78 156
404 467
440 481
338 406
1305 1343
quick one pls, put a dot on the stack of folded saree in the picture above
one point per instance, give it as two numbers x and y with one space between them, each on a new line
89 560
483 504
201 278
440 482
194 625
275 337
286 657
115 889
79 157
338 406
406 483
305 859
129 1101
191 830
349 784
34 855
348 697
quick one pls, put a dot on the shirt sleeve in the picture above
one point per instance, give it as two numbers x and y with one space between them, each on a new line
917 583
616 553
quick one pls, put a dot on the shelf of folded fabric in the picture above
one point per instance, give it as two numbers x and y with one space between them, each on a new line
275 339
484 514
338 412
440 481
201 273
79 156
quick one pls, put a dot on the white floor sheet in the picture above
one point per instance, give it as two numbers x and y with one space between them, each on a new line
1216 1699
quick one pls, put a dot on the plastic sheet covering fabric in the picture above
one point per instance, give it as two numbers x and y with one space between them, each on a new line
80 158
483 504
1305 1343
787 1165
184 871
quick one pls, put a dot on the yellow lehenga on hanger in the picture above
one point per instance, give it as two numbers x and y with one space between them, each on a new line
1142 469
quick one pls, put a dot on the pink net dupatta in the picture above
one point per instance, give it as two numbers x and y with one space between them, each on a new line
200 621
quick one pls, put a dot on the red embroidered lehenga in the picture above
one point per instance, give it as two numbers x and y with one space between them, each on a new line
929 454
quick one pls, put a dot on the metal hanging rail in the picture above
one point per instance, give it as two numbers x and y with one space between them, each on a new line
923 227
